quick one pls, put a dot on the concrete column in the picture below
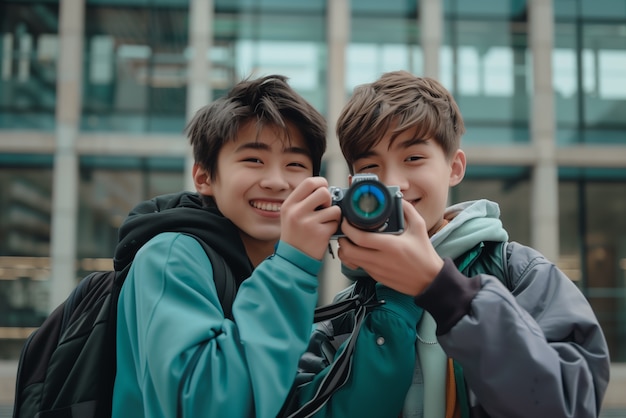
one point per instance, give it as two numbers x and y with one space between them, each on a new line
431 34
544 219
199 92
338 36
65 172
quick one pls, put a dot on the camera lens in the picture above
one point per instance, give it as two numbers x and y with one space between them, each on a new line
368 205
368 201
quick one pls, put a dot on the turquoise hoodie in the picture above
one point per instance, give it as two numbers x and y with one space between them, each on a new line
177 355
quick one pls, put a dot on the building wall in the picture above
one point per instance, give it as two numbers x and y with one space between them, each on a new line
94 96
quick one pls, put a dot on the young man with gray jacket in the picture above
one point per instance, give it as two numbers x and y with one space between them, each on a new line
468 324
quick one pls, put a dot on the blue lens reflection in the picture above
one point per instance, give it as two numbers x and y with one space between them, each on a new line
368 201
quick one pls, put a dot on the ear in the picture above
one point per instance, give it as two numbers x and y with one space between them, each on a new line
202 180
457 168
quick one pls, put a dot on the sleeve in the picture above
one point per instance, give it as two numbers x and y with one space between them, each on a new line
537 350
382 363
241 368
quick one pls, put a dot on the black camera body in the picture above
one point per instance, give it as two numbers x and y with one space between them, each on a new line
369 205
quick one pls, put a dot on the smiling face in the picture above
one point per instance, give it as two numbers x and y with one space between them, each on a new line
255 174
419 167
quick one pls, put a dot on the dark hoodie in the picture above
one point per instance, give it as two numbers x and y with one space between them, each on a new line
182 212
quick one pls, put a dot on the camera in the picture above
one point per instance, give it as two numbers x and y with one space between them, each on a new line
369 205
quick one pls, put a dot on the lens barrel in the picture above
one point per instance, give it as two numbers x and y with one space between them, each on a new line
367 205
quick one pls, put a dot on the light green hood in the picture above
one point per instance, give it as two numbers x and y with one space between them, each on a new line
469 223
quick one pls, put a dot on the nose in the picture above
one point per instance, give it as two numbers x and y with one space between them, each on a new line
394 176
274 178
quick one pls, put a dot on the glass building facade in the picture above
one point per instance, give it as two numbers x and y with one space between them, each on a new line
95 94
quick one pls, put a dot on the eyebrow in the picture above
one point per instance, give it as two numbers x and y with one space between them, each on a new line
414 141
264 147
404 144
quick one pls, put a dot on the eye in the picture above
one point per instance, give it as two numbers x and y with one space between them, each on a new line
297 164
414 158
366 167
252 160
298 160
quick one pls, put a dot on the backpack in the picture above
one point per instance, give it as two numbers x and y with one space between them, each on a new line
67 366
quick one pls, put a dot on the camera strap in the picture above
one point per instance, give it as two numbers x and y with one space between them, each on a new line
341 367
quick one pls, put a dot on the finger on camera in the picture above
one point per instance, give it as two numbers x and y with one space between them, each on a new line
411 215
362 238
330 214
320 198
307 187
350 265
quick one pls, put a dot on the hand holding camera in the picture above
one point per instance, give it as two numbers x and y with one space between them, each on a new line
308 219
402 257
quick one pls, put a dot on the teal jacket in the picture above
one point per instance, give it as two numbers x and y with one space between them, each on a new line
177 355
524 339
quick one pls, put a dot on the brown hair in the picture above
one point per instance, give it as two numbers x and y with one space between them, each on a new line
400 101
268 101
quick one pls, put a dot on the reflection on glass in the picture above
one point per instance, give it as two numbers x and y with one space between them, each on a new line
590 95
25 223
485 63
28 59
591 207
136 69
509 187
366 61
384 36
110 187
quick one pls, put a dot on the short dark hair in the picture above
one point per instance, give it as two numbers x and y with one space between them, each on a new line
268 100
400 101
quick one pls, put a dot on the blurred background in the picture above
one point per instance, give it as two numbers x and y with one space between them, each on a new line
94 96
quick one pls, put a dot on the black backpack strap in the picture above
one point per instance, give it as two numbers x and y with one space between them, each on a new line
488 257
225 282
499 253
508 282
335 309
340 369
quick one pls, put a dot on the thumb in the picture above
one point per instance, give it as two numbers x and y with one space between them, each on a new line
411 215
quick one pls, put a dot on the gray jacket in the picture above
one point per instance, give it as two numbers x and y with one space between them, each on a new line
536 350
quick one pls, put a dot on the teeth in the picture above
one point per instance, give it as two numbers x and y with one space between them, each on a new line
270 207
